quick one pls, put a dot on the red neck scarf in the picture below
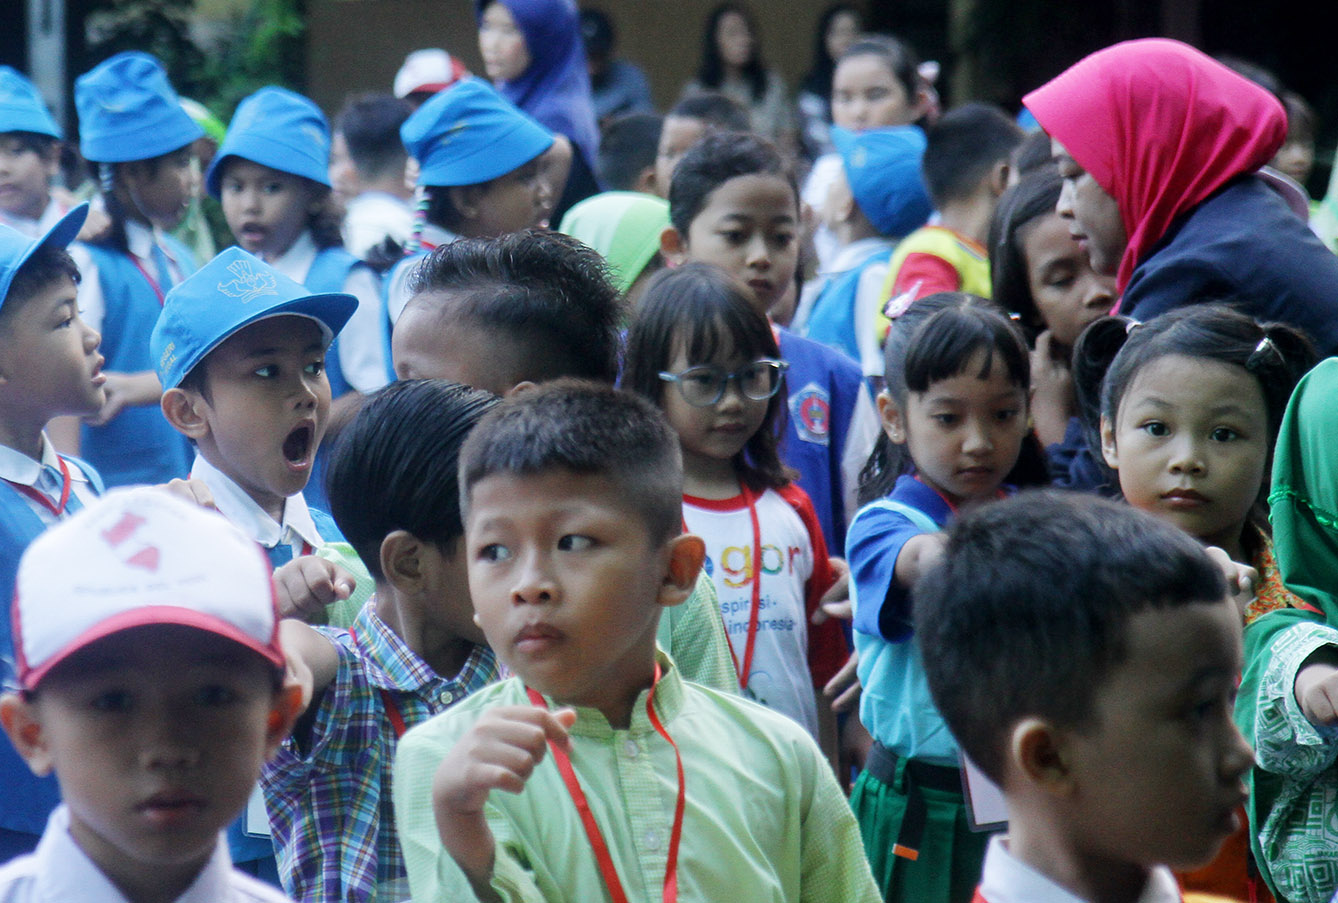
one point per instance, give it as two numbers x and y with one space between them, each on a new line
1160 126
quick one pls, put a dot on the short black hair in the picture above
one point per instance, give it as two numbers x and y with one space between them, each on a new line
597 33
543 290
47 266
716 159
719 112
394 466
1028 611
627 146
32 141
370 124
584 428
963 146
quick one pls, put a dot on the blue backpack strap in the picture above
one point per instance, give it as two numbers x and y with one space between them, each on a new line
914 515
328 273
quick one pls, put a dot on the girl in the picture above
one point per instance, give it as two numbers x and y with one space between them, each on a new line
733 203
954 418
1191 404
1041 276
732 64
1160 147
271 174
699 350
838 27
133 130
532 51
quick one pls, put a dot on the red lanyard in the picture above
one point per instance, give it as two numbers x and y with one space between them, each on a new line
40 497
750 644
392 707
153 283
602 855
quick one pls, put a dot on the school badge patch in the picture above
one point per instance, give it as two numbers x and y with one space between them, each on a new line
811 413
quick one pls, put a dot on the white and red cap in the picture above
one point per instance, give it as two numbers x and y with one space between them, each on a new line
430 69
134 558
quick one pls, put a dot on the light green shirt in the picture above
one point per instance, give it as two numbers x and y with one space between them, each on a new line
694 634
764 820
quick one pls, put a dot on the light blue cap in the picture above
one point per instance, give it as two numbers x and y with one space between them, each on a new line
883 169
22 108
280 129
128 111
470 134
16 248
230 292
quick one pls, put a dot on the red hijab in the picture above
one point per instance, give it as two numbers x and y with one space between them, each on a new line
1160 126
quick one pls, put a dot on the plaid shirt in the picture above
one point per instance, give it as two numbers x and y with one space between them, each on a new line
330 804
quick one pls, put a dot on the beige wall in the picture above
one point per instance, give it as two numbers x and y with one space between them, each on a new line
357 45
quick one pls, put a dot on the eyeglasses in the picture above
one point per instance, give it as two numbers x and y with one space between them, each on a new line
703 387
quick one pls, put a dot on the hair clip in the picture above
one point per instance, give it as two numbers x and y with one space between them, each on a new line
1265 344
899 304
1130 326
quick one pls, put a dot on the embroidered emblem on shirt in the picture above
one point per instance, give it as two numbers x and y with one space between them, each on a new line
248 284
811 413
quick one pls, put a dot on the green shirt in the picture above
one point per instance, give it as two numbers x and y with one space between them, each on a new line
764 820
694 634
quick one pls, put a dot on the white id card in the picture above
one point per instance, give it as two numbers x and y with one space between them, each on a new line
985 803
256 820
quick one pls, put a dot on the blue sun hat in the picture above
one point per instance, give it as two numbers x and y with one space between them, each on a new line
22 108
469 134
16 248
128 111
230 292
883 169
280 129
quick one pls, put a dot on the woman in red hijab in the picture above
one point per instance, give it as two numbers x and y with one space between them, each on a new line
1160 147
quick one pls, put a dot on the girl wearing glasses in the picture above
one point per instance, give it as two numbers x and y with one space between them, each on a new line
701 351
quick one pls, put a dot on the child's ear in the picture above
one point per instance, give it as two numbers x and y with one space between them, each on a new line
999 177
400 561
892 419
1039 753
672 246
1108 450
24 727
686 554
283 714
645 181
465 200
185 411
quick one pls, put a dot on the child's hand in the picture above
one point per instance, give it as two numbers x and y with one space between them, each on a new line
127 390
306 585
498 753
836 601
1316 688
196 492
844 688
1052 394
1240 578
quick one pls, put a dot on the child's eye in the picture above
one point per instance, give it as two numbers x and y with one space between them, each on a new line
269 371
945 419
783 239
1155 428
1006 415
215 695
1224 434
734 236
574 543
315 368
494 552
112 701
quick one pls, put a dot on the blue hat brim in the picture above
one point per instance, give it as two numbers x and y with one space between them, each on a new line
271 157
61 234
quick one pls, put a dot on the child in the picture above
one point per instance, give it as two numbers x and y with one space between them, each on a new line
1086 657
49 366
368 166
692 119
29 157
627 149
525 308
624 228
132 126
480 173
733 203
413 649
571 494
965 169
699 350
954 417
876 198
271 175
152 685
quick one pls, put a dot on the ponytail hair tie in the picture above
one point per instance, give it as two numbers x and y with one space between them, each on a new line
1263 349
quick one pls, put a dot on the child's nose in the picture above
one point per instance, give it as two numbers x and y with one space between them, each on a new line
1186 457
758 252
978 438
1064 206
534 582
1239 757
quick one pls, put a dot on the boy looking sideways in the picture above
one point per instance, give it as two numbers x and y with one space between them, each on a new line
153 686
571 495
1136 764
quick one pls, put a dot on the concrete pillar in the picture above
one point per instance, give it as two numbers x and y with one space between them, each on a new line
46 54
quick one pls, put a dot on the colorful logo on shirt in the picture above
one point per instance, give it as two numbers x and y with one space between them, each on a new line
811 413
248 284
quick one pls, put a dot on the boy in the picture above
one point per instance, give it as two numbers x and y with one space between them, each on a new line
628 146
1086 655
571 495
691 120
527 308
49 366
966 169
29 157
152 684
367 169
412 650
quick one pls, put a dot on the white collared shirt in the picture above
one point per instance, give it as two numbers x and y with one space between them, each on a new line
140 239
36 227
1007 879
16 467
59 870
233 503
362 347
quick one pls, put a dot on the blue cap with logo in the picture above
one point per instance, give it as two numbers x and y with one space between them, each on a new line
16 248
280 129
128 111
230 292
883 169
22 108
469 134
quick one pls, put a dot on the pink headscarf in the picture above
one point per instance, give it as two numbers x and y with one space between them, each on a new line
1160 126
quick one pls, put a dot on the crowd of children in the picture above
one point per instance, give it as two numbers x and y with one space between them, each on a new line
451 556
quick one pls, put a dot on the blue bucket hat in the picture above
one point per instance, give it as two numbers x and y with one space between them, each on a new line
128 111
16 248
22 108
469 134
230 292
883 169
280 129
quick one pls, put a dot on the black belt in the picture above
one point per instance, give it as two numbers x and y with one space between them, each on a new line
882 764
